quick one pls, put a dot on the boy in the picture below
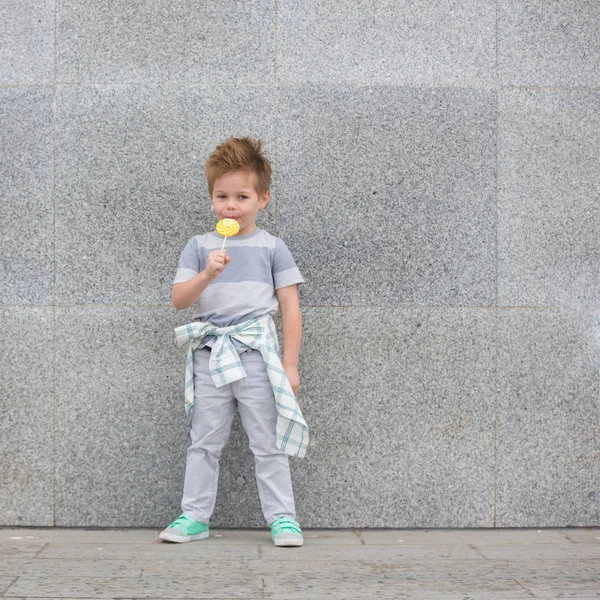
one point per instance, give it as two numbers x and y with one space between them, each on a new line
233 347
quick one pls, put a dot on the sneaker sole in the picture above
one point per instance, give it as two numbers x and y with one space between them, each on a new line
291 541
180 539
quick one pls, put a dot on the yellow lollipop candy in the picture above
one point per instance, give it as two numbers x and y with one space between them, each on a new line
227 228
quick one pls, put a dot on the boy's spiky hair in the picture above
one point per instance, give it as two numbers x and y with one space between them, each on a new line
239 154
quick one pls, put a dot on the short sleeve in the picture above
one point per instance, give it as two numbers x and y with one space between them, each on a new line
285 271
189 262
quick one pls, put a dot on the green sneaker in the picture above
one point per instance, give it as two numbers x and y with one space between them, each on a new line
184 529
286 532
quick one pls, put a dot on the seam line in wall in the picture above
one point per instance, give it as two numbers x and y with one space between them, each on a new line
54 304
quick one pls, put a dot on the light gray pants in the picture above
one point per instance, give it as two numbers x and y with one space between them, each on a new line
211 424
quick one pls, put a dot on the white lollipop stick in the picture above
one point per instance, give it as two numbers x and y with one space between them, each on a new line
227 227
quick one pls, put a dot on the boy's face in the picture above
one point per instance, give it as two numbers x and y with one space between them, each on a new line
234 196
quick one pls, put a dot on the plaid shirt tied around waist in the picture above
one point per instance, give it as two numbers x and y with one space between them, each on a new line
225 366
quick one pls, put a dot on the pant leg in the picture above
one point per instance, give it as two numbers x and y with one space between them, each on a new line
211 425
256 405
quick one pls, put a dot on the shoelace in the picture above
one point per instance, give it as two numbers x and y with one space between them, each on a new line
285 524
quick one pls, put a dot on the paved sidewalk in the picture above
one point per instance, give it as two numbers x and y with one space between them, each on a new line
465 564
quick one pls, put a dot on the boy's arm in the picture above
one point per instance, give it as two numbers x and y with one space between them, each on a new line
184 294
291 322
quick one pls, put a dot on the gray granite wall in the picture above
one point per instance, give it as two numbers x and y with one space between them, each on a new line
436 177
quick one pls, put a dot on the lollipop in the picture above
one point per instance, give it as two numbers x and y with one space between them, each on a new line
227 228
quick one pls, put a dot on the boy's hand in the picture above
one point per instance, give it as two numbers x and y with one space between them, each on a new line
293 377
216 262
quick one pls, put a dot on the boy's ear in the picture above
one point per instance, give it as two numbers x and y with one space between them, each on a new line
265 199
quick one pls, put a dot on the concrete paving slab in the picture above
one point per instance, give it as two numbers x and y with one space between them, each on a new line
524 571
372 553
582 535
209 584
572 582
384 589
79 536
5 583
470 595
444 580
345 564
580 592
468 536
17 548
71 568
497 575
537 551
266 569
263 536
156 551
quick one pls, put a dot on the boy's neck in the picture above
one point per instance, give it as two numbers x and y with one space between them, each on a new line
253 228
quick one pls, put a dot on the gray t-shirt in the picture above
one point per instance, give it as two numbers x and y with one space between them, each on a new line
260 264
